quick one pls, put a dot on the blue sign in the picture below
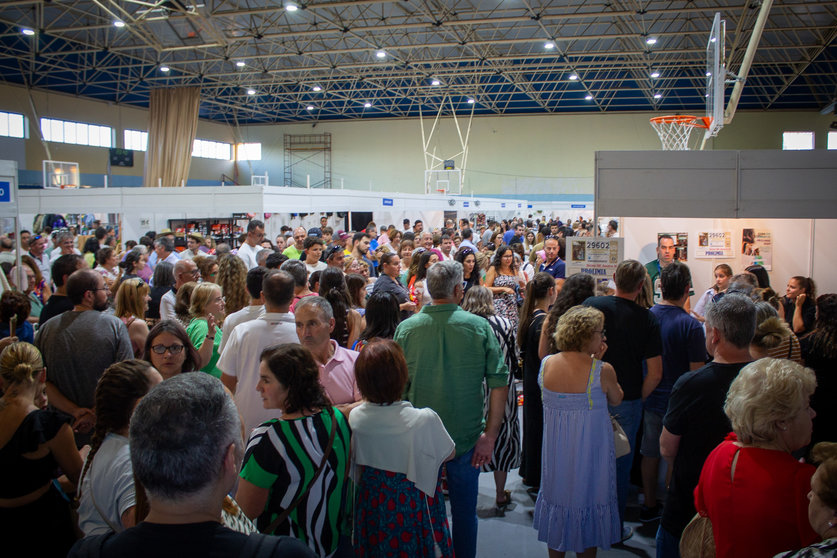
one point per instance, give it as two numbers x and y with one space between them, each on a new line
578 205
466 204
502 205
388 202
519 205
5 192
529 206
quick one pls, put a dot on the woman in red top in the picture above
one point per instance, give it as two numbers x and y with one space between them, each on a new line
751 487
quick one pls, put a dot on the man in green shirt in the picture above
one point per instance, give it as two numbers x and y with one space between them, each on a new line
294 251
449 353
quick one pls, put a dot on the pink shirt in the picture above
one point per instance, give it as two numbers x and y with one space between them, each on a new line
338 376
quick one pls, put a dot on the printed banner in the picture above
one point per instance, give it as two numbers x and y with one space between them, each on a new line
597 256
714 244
757 248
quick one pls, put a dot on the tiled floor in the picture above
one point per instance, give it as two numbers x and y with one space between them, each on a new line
513 535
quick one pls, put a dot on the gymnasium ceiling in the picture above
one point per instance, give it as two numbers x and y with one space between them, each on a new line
491 51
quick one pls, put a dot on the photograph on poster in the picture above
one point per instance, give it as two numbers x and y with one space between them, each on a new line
681 244
714 244
757 248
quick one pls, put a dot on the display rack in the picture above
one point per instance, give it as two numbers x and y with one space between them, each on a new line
220 229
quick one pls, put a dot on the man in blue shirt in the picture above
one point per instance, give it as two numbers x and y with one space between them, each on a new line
554 264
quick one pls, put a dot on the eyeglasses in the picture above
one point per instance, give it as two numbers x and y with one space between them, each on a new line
602 332
173 349
105 288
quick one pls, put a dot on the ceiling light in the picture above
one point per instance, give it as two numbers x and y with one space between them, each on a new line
435 82
658 95
549 45
240 64
119 23
655 74
470 101
367 104
28 32
588 98
165 69
381 54
651 41
316 88
708 74
573 77
713 39
290 5
251 91
309 107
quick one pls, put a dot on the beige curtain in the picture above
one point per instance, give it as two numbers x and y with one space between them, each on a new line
173 123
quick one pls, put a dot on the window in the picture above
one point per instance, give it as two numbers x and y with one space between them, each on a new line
798 140
248 151
79 133
137 140
832 140
212 150
12 125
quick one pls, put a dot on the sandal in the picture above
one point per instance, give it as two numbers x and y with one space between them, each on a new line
503 505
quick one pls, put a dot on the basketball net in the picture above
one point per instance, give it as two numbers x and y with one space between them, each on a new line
674 131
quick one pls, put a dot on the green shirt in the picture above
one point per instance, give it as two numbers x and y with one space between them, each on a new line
292 252
197 330
449 353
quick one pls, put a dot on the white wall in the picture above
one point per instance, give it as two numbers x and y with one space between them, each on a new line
800 247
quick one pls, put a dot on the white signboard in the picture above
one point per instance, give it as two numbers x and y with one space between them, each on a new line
597 256
714 244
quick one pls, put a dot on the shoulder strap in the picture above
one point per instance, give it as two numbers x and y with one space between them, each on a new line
284 515
590 384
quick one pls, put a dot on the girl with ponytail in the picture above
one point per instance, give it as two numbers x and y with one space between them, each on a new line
106 496
33 443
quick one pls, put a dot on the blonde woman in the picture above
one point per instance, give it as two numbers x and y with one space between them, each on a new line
207 310
131 305
34 443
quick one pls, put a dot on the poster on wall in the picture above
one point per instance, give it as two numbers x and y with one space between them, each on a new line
714 244
681 244
597 256
757 248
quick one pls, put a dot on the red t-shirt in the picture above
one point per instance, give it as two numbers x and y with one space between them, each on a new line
764 510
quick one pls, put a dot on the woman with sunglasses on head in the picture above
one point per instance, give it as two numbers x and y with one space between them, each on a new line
131 305
471 275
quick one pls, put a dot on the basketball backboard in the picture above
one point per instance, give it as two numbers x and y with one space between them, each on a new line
716 75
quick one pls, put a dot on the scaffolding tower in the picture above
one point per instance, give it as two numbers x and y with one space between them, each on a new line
308 160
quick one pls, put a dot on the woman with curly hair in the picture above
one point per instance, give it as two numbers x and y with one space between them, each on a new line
504 281
577 288
106 493
232 278
40 292
208 266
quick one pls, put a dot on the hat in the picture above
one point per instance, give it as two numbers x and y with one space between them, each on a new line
165 231
315 231
342 235
198 237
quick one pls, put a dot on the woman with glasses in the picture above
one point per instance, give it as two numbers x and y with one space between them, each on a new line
169 349
207 309
131 305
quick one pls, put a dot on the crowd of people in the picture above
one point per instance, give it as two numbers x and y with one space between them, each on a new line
324 392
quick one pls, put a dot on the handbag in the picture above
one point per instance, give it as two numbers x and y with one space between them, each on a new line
284 515
621 445
697 540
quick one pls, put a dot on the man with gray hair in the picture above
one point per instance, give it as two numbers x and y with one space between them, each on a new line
695 421
184 272
186 448
164 251
450 353
314 320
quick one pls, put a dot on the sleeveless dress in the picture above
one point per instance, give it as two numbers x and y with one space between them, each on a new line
576 507
506 304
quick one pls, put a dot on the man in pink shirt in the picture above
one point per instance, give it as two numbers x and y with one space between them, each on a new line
314 323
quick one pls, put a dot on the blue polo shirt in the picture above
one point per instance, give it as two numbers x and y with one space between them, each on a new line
556 269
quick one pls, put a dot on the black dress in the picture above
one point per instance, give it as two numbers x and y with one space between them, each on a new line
530 467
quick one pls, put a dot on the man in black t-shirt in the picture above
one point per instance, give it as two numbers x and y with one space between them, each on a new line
59 302
695 421
186 448
633 338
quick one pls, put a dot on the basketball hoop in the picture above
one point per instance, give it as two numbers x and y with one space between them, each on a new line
674 131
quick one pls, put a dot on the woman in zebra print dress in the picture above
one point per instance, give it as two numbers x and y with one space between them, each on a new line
480 301
280 486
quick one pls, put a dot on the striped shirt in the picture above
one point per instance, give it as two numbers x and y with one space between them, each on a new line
282 456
